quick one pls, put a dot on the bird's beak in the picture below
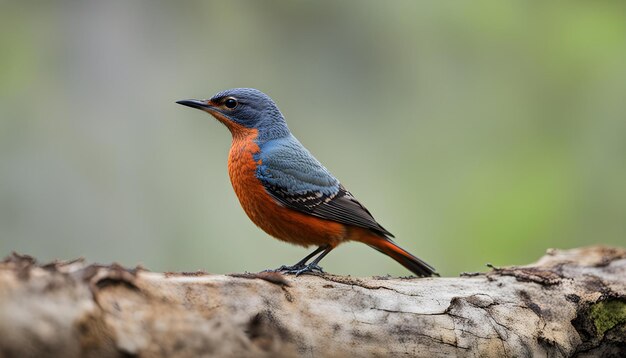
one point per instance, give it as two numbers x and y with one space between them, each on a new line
195 103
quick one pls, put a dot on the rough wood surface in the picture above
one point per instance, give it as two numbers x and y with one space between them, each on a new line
569 303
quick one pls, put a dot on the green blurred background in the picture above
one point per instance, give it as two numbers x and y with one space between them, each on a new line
474 131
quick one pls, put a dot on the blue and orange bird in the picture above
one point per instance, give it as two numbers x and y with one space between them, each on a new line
288 193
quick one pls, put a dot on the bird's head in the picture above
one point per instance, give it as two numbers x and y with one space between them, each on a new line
242 109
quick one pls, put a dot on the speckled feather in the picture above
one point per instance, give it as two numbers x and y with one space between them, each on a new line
292 175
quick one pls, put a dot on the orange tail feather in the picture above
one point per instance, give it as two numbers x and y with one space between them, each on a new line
403 257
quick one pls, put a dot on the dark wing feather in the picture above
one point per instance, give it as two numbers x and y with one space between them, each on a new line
297 180
341 207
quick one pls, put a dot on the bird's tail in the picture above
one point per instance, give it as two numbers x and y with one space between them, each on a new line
403 257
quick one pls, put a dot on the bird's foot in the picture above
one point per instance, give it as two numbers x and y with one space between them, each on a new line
285 268
298 270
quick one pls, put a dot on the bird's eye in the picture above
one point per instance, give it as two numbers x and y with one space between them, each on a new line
230 103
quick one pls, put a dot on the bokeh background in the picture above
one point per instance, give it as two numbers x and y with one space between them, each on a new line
476 132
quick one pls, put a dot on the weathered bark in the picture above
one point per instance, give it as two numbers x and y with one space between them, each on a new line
569 303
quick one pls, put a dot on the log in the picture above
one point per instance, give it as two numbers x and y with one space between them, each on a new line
569 303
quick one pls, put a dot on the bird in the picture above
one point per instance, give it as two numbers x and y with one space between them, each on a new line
286 191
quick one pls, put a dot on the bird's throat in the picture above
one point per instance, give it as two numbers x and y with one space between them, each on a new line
236 129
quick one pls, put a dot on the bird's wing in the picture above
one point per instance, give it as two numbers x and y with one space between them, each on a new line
294 178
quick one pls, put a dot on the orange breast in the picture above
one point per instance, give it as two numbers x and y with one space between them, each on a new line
282 223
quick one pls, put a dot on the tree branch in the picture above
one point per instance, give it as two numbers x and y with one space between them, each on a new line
569 303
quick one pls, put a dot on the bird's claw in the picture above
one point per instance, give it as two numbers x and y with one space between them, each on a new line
298 269
310 269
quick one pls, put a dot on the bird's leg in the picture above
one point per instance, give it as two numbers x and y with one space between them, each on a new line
302 263
313 266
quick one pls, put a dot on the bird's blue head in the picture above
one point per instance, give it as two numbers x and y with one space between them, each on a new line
244 108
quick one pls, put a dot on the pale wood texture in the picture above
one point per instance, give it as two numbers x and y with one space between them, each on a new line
569 303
